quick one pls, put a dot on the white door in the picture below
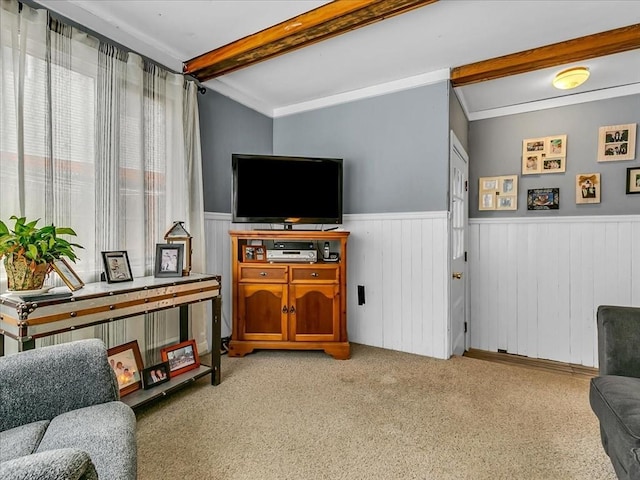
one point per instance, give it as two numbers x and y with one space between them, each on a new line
458 219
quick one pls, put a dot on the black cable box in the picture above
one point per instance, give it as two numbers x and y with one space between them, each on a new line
294 246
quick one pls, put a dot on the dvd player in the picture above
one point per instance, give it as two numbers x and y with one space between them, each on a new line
307 256
281 245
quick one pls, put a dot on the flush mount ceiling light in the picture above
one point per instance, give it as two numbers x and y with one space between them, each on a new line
571 78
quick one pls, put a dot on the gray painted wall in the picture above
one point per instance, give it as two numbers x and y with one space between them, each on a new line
395 148
227 127
495 148
458 120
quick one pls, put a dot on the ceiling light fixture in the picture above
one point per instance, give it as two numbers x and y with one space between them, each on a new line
571 78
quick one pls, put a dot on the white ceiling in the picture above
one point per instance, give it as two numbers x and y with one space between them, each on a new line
405 51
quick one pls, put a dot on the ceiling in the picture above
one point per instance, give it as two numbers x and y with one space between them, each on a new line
415 48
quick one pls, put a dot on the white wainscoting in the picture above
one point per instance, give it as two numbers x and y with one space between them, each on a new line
536 283
402 261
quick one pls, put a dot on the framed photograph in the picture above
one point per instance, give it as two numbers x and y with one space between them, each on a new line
557 146
553 164
533 145
509 185
116 266
66 273
127 363
532 163
254 253
544 155
506 202
169 259
617 142
182 357
155 375
633 180
588 188
487 201
489 183
543 199
498 193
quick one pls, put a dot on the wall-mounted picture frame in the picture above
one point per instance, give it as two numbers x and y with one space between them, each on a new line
588 188
182 357
544 155
633 180
155 375
543 199
67 274
498 193
254 253
116 266
617 142
126 362
169 260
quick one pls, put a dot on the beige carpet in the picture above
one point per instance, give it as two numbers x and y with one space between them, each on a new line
380 415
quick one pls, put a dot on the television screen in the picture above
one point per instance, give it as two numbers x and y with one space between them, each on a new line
288 190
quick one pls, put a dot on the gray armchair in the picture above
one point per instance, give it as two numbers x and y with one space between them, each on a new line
61 418
615 393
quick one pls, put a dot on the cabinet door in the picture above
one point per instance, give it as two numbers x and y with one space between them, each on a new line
262 311
314 313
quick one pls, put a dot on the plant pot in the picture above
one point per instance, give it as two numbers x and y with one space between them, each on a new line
20 276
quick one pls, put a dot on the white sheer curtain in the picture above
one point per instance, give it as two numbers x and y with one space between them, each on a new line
100 140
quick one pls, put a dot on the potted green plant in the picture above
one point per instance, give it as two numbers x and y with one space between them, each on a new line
29 251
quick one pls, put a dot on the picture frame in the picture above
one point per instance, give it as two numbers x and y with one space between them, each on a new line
67 274
254 253
169 260
617 142
633 180
181 357
155 375
544 155
498 193
126 362
588 188
116 266
543 199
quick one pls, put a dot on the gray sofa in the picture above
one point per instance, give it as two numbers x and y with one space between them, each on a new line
615 393
61 418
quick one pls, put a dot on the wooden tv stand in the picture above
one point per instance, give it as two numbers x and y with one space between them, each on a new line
289 304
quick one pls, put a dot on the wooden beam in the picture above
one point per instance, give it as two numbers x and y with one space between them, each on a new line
330 20
592 46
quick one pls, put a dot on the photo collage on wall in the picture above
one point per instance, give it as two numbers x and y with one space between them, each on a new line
546 155
499 193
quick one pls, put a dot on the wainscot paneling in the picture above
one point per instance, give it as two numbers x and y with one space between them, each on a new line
401 260
536 284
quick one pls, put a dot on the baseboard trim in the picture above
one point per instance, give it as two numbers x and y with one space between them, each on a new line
535 363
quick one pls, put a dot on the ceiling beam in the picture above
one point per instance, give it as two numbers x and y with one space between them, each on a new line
592 46
329 20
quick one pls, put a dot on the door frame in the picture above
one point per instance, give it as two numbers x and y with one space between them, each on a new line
456 145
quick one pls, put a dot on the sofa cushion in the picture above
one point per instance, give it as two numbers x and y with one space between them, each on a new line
62 464
616 402
617 399
107 432
20 441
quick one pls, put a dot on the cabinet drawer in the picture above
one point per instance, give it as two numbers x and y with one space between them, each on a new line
314 273
263 273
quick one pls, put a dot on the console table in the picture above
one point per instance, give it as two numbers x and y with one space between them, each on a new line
101 302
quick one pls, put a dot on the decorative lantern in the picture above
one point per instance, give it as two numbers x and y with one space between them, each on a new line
178 234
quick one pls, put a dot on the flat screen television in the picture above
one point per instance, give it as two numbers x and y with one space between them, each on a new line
286 189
